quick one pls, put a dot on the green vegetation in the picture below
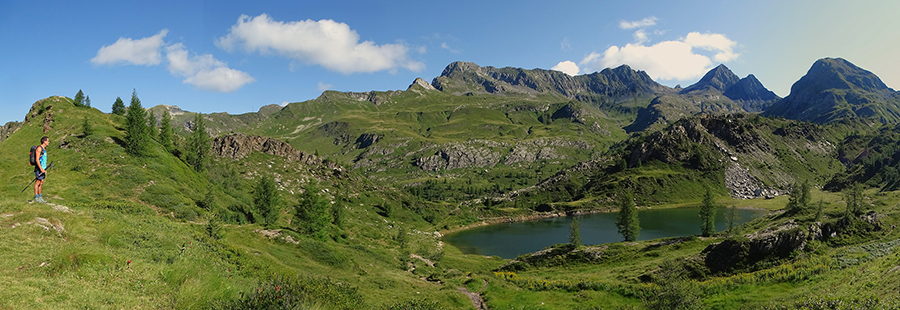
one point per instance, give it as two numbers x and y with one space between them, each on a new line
628 223
800 198
137 133
575 233
708 215
198 144
313 213
118 107
267 201
79 99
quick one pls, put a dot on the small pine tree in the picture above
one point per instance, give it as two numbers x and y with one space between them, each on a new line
118 107
86 126
266 200
628 222
403 238
137 140
820 210
731 219
165 132
213 226
87 101
337 215
854 198
800 197
152 131
314 212
575 233
79 99
198 144
708 215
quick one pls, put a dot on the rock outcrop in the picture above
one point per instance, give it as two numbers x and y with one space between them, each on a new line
237 146
780 242
456 156
8 129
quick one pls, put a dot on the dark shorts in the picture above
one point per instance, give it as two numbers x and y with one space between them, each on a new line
38 175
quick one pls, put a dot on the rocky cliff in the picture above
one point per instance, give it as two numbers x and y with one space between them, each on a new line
238 146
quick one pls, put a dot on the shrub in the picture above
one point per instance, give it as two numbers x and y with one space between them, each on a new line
299 292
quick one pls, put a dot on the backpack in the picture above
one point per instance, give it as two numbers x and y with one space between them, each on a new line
32 157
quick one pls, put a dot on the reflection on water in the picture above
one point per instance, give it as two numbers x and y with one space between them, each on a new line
509 240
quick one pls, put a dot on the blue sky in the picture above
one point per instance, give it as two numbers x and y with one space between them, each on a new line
236 56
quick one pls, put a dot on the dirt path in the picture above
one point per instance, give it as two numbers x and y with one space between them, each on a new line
477 301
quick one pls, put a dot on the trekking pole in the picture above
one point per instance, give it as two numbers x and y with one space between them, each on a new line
50 166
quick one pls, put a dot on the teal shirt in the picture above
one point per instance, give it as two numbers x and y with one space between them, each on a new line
43 158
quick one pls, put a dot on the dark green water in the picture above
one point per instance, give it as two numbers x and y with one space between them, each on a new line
509 240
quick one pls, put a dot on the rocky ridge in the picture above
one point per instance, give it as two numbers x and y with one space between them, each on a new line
238 146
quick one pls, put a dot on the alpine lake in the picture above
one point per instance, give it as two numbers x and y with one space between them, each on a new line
509 240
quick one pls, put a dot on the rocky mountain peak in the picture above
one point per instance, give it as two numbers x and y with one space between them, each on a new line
749 88
833 89
459 67
719 78
838 73
421 83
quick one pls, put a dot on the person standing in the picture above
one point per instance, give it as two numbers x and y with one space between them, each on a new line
40 170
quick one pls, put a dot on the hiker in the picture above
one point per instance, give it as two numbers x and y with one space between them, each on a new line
40 171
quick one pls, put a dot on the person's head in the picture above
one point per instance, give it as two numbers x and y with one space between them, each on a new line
45 140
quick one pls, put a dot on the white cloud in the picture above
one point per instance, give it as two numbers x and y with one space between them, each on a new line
323 87
204 71
646 22
713 42
141 52
447 47
565 45
327 43
667 60
640 36
567 67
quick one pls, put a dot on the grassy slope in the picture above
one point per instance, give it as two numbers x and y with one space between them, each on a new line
123 208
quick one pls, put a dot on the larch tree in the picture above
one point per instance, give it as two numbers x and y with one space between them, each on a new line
628 223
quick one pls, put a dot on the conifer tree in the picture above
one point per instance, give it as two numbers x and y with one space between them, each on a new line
731 218
118 107
165 131
800 197
152 131
79 99
575 233
313 212
708 215
87 101
198 143
628 222
820 210
266 200
87 128
853 195
137 140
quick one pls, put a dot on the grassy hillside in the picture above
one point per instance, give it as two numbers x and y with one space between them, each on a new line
133 232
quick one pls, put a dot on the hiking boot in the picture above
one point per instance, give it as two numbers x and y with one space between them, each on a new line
40 199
